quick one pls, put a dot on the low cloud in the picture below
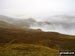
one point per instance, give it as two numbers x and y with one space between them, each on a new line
63 24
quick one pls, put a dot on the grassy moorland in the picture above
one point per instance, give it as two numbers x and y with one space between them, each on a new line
27 50
27 42
33 43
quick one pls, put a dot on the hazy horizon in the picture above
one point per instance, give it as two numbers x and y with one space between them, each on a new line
55 15
38 9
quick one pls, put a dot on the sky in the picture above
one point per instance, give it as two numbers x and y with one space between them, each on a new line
36 8
55 15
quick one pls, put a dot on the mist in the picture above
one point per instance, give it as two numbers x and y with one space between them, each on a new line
38 9
47 15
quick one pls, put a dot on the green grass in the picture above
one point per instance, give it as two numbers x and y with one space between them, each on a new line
27 50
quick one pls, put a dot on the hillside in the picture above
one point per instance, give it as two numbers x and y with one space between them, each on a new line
12 27
6 19
28 41
50 39
6 25
27 50
64 24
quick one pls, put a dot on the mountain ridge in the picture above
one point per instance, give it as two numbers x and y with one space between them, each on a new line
63 27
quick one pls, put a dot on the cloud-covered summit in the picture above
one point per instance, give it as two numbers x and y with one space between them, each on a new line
60 23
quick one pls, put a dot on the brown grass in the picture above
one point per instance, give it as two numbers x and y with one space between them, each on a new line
52 40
